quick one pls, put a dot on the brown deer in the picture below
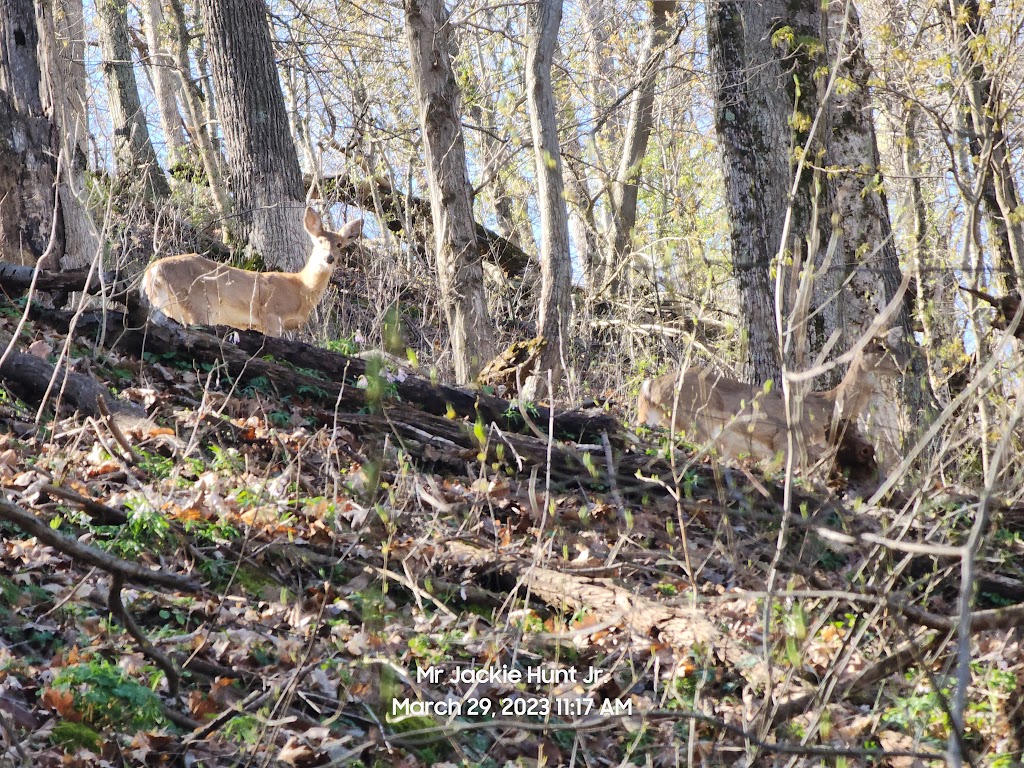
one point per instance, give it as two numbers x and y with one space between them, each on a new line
194 290
743 421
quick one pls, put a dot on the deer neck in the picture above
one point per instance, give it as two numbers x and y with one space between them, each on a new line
315 275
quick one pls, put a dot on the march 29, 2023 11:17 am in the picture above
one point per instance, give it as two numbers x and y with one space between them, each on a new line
564 698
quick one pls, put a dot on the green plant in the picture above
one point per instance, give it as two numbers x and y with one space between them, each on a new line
308 389
146 530
344 346
226 460
256 385
155 465
107 698
75 736
243 729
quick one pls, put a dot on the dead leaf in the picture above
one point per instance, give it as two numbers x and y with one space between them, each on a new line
39 348
294 753
61 702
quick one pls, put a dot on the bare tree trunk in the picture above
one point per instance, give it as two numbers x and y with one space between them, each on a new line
165 85
634 145
134 155
196 124
27 152
62 52
747 140
262 160
544 18
872 265
871 258
460 273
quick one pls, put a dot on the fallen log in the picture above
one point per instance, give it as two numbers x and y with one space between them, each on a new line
29 377
17 278
284 363
432 397
684 629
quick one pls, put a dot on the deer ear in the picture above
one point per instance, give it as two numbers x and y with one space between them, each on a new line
352 230
313 223
894 335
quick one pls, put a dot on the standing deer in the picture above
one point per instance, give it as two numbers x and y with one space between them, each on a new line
741 420
194 290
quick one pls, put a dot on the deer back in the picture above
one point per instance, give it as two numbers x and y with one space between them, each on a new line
194 290
705 406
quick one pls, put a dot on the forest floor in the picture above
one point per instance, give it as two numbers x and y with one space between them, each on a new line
231 559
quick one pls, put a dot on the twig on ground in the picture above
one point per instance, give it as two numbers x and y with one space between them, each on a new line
117 607
83 553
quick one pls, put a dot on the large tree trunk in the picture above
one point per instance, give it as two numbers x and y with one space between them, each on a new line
27 150
771 109
634 143
262 160
774 108
751 136
872 264
460 273
62 52
544 18
134 155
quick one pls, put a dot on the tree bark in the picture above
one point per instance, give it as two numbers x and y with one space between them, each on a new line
776 65
62 53
770 62
871 262
544 18
262 161
459 269
750 140
134 155
27 151
19 67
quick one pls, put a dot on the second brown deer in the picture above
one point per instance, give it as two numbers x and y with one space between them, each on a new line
195 290
744 421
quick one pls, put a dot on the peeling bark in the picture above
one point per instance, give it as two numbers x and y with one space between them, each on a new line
27 151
